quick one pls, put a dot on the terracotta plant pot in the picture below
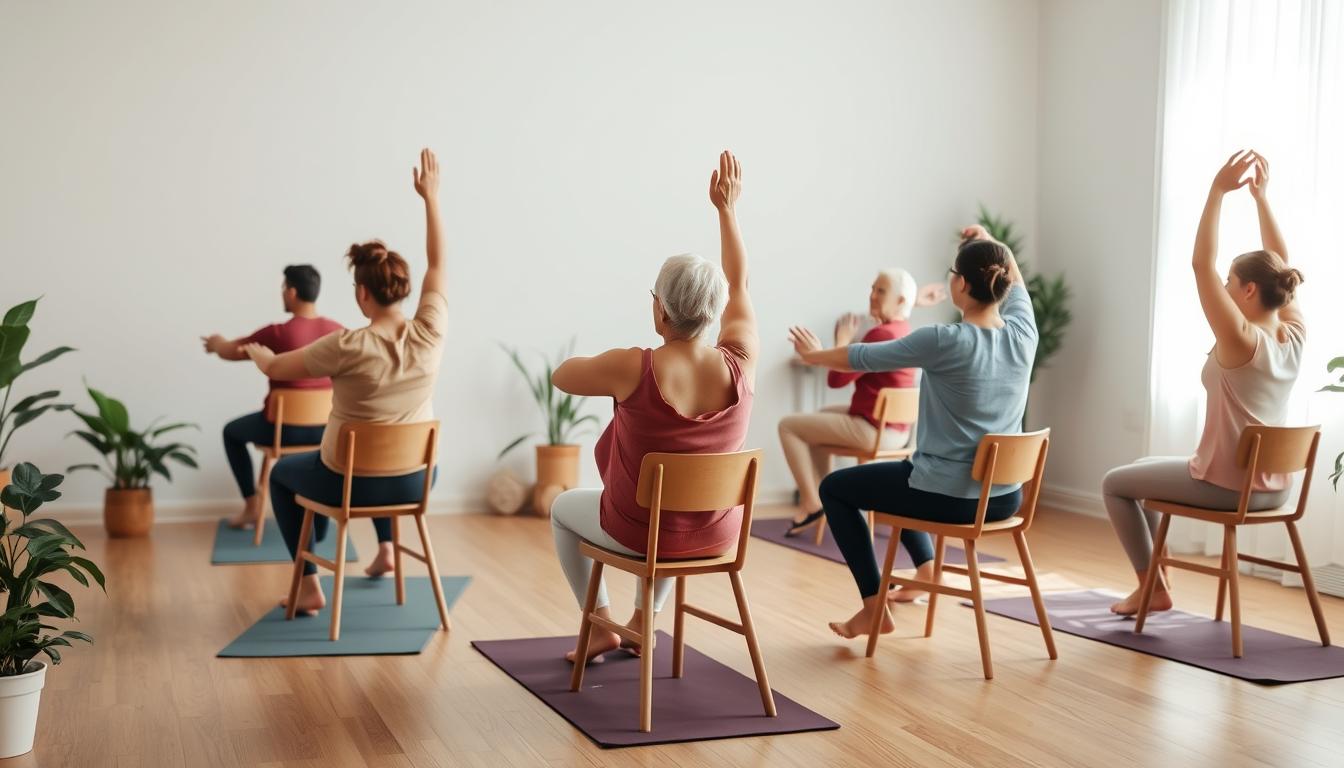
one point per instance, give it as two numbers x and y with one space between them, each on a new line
557 470
128 512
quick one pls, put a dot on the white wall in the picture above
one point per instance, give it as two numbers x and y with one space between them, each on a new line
1099 107
163 161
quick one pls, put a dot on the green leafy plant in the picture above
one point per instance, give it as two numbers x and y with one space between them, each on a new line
1336 365
130 458
14 334
1050 296
560 409
31 551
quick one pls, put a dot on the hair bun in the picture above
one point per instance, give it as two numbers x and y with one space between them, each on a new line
1289 279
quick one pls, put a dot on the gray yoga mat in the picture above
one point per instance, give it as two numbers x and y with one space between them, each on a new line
772 529
233 546
711 701
1268 658
372 624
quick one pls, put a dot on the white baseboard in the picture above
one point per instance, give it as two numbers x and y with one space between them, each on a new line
213 509
1072 500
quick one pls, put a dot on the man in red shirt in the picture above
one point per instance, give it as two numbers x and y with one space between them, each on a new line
299 293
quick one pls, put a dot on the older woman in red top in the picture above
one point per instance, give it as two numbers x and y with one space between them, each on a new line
684 396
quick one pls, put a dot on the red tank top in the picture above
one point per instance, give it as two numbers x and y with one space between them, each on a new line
646 423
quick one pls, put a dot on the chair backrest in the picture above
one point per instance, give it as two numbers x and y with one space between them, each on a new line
698 482
299 407
1279 450
1008 459
387 450
895 405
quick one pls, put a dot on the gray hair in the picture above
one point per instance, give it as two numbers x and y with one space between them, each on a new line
903 284
692 291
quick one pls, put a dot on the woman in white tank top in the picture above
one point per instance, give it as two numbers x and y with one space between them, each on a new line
1248 376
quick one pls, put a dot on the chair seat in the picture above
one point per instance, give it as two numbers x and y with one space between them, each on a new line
955 530
336 511
286 450
638 565
867 454
1221 516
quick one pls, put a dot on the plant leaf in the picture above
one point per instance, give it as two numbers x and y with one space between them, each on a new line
59 599
45 357
20 314
513 445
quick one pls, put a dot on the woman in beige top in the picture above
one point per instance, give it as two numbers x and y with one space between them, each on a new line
1248 376
382 373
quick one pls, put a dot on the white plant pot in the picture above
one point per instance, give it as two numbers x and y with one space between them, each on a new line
19 697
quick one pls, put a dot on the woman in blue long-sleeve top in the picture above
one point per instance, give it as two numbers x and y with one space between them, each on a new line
975 383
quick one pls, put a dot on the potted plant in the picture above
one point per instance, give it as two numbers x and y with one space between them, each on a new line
31 551
14 333
1331 367
130 459
558 459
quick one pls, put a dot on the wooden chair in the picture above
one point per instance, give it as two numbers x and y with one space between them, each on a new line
287 408
375 450
895 405
1261 449
1000 460
680 483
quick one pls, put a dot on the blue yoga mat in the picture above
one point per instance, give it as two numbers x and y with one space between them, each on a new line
372 624
233 546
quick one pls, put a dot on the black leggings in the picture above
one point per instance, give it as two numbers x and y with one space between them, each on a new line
885 486
254 428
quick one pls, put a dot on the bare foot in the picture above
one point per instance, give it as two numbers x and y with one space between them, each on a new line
910 594
599 642
383 562
250 515
859 624
1130 605
635 623
311 599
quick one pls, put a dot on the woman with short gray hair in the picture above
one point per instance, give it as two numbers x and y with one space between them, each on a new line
685 396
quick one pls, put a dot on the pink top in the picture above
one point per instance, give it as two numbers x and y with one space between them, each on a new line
646 423
1254 394
867 385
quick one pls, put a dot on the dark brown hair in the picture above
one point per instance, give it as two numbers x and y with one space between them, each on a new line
383 273
1275 280
983 264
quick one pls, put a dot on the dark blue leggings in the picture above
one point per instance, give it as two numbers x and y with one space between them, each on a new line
254 428
304 474
885 487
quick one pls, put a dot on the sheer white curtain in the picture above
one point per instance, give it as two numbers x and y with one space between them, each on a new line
1268 75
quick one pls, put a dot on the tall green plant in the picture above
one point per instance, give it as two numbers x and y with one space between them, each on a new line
1336 365
14 334
560 409
130 458
1050 296
31 551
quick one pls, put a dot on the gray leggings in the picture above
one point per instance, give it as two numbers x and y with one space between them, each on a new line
1166 478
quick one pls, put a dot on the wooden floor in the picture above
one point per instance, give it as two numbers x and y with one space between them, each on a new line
152 693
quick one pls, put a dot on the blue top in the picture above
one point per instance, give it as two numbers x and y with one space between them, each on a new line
975 383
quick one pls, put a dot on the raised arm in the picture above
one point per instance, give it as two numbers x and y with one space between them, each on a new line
737 328
1235 337
1271 239
977 232
427 186
283 367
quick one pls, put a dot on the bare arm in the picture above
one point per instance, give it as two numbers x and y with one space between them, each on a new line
1271 239
284 367
427 186
614 373
809 348
738 324
1235 339
226 349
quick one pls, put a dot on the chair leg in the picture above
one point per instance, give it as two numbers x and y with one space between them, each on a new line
263 495
398 572
1308 583
305 533
1233 591
880 606
939 547
646 659
753 646
1222 584
821 531
586 627
1150 579
872 529
679 629
978 601
1029 569
338 585
433 565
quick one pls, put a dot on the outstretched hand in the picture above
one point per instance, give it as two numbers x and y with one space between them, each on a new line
1260 180
975 232
1233 173
804 341
725 184
212 343
931 294
427 175
846 327
260 355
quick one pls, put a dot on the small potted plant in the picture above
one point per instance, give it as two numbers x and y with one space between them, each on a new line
14 333
130 459
31 552
558 459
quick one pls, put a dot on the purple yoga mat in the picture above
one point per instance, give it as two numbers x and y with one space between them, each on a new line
1268 658
710 700
772 529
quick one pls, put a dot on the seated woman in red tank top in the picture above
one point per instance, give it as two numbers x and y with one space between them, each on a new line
684 396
